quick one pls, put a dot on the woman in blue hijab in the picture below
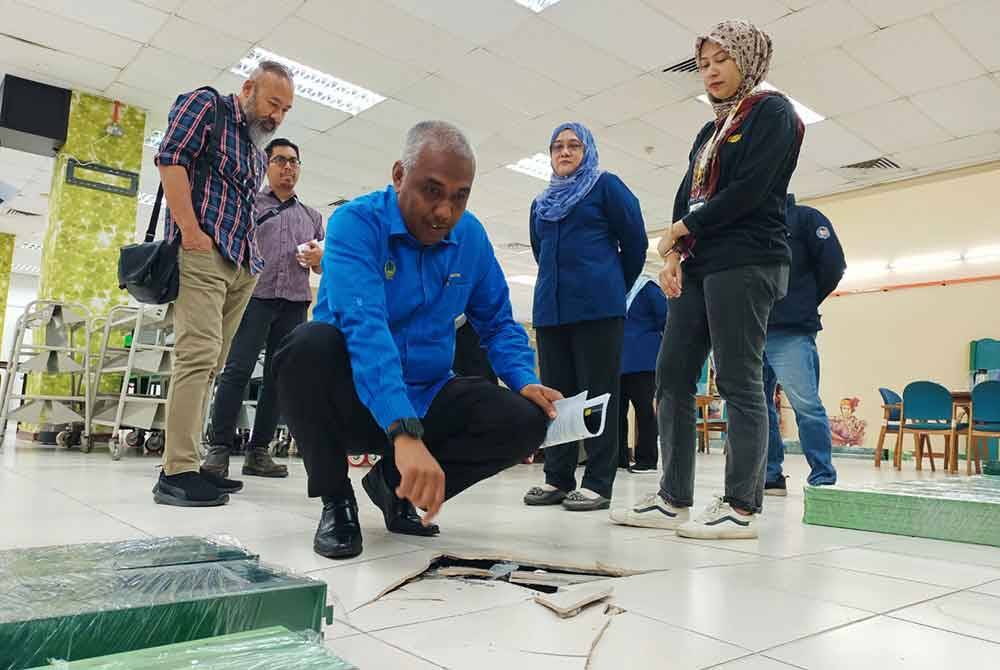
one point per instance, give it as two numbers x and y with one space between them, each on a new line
590 244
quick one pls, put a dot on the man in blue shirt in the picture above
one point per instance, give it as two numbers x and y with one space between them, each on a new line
373 372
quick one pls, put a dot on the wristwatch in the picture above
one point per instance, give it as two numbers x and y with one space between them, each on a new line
411 427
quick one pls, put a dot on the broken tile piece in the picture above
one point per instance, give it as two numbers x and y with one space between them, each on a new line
569 602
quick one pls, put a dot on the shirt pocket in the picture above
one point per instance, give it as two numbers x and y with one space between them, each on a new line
455 296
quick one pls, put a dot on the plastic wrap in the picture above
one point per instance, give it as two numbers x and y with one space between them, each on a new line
104 611
126 555
269 649
962 510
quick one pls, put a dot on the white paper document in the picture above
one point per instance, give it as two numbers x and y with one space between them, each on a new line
577 419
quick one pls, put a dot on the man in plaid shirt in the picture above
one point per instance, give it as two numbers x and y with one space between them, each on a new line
214 215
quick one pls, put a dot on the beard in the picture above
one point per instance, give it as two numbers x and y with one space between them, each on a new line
260 129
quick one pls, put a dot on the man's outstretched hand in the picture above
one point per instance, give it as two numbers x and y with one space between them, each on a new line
421 477
542 396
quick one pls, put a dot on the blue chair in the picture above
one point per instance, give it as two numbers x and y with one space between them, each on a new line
927 411
892 405
984 423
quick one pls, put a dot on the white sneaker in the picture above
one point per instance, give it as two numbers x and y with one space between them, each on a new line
652 512
720 522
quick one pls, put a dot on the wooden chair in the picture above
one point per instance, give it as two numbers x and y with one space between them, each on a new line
706 425
926 411
892 406
983 424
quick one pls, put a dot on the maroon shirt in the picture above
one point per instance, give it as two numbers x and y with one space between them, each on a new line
278 239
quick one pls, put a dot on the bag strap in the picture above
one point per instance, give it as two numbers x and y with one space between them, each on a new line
201 165
275 211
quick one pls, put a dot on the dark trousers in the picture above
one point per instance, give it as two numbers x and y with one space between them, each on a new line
470 357
726 312
265 324
639 388
578 357
473 428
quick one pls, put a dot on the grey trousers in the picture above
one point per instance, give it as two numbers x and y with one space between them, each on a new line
725 312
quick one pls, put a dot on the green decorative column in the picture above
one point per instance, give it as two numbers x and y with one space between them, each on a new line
6 257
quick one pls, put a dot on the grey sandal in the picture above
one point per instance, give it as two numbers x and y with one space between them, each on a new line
537 496
577 502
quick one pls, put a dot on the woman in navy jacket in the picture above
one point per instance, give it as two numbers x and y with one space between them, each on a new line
590 243
729 231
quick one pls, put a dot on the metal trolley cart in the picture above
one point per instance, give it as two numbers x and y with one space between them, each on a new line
142 366
59 345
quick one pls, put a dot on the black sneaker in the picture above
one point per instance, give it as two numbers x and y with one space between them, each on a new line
222 483
777 487
642 469
187 489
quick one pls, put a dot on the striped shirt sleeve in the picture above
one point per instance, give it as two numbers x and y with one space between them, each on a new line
187 129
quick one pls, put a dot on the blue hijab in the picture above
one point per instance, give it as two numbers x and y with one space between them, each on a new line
554 203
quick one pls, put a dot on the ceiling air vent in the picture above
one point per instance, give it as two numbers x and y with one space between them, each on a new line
10 212
882 163
688 65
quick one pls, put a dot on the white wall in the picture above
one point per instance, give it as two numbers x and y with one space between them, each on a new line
23 289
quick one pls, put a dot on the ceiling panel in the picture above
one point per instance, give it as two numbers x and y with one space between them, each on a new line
56 67
55 32
885 13
534 135
496 151
364 131
247 20
629 29
894 126
315 116
684 120
397 115
817 28
508 83
156 104
977 148
154 69
200 42
121 17
805 184
974 23
915 56
313 46
964 109
828 144
386 29
454 102
579 66
479 22
629 100
699 17
820 80
647 142
521 187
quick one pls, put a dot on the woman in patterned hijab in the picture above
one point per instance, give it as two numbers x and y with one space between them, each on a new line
733 201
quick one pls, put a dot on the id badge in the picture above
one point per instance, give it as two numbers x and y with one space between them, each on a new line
695 204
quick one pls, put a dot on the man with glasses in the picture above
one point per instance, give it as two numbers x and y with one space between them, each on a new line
288 233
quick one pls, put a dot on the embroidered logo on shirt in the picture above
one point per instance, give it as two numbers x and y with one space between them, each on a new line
823 233
733 139
390 269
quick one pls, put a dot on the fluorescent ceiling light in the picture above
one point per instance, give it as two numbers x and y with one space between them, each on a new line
536 6
31 246
315 85
154 139
807 115
866 270
147 199
537 166
23 269
926 261
653 243
983 254
525 280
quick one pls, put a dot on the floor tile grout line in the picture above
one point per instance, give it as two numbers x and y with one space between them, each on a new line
403 650
438 619
902 579
686 630
352 564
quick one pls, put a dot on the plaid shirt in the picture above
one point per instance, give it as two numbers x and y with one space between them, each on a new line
225 207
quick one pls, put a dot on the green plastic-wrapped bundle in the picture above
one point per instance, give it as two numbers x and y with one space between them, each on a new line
957 509
273 648
125 555
104 611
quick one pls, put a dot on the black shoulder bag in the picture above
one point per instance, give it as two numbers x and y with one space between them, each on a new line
149 271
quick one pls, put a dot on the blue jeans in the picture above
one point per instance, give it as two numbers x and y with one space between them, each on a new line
791 359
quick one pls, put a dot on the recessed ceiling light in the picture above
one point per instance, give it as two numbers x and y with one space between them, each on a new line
312 84
537 166
536 5
524 280
807 115
153 139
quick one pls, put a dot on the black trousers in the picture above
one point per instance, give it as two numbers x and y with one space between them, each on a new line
474 428
265 324
726 312
639 388
470 357
578 357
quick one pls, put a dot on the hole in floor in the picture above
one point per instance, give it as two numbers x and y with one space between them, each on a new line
544 578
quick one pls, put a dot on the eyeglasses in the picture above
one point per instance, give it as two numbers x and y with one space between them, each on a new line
281 162
573 147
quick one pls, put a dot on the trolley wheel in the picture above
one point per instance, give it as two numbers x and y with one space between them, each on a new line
87 444
134 438
115 449
64 439
155 443
373 459
357 460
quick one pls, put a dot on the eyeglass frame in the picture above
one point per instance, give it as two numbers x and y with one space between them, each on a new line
284 161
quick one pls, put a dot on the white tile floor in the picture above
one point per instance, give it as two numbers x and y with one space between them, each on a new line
800 596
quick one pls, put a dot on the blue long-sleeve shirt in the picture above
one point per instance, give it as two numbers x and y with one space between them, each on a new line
644 324
588 260
396 300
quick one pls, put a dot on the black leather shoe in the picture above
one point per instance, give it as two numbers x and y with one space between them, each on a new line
339 532
400 515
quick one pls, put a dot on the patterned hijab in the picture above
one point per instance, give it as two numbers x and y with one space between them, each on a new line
554 203
750 47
